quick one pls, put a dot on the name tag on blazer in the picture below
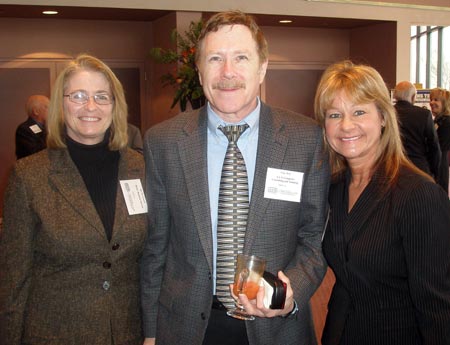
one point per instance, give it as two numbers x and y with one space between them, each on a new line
134 196
283 185
35 129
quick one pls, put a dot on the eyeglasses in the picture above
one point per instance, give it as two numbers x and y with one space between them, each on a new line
81 97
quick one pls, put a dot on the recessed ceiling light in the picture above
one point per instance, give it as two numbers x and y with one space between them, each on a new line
285 21
50 12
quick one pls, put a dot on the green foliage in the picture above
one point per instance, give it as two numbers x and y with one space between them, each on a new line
185 77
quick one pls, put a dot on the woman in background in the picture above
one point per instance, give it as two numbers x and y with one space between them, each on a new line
440 107
70 247
387 239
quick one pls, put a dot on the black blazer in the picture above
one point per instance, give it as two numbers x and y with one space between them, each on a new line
443 132
391 258
27 141
419 136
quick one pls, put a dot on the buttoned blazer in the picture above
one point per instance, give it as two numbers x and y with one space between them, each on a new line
28 142
391 258
62 281
419 136
177 263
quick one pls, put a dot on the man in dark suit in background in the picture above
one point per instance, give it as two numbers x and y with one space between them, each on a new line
417 129
31 135
288 179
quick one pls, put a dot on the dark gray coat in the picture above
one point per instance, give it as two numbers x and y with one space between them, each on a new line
178 258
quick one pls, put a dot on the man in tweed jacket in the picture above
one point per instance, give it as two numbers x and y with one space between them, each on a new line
184 157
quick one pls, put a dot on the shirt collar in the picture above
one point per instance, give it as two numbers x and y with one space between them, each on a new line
252 119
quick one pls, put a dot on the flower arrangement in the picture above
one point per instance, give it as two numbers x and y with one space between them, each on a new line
185 76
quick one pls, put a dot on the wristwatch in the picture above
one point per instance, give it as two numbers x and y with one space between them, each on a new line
293 313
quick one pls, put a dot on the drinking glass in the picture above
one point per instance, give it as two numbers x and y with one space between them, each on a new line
247 277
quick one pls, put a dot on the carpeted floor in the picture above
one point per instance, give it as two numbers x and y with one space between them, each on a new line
319 303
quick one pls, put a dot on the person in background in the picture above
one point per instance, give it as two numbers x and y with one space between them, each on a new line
440 107
31 135
135 138
387 239
183 296
417 130
70 245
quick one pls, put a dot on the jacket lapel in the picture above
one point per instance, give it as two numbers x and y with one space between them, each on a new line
272 144
364 206
64 176
193 156
127 171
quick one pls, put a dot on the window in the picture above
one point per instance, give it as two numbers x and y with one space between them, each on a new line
430 56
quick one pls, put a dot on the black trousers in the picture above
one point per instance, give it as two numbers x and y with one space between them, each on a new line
223 329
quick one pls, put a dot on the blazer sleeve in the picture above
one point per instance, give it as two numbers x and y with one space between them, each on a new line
16 254
155 250
426 241
307 268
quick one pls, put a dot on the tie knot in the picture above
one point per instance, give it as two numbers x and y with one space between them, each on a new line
233 132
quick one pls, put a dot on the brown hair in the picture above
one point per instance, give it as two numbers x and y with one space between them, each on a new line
234 18
55 121
364 85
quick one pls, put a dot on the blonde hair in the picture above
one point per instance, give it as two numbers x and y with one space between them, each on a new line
234 18
443 96
55 121
363 84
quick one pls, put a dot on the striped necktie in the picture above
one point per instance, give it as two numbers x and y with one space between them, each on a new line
233 213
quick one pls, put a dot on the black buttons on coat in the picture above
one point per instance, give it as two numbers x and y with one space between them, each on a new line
106 265
115 246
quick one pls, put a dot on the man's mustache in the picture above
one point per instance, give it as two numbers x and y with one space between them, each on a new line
232 84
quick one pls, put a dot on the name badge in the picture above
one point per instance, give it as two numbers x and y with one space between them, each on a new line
134 196
283 185
35 129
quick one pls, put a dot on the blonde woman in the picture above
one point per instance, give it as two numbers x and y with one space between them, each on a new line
387 239
70 248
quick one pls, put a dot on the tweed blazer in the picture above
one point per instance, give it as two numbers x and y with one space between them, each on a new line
62 281
391 258
177 264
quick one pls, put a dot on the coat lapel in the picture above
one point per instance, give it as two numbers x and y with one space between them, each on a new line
364 206
272 144
193 156
127 171
64 176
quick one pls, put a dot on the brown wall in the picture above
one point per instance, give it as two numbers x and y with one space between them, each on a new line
376 46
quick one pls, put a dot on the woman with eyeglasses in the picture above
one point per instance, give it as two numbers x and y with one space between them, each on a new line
75 222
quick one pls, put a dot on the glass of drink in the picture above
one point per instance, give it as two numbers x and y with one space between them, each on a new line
247 277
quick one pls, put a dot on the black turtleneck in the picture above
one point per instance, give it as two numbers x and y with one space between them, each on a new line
99 169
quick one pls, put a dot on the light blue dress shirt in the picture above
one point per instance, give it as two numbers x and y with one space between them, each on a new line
217 147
